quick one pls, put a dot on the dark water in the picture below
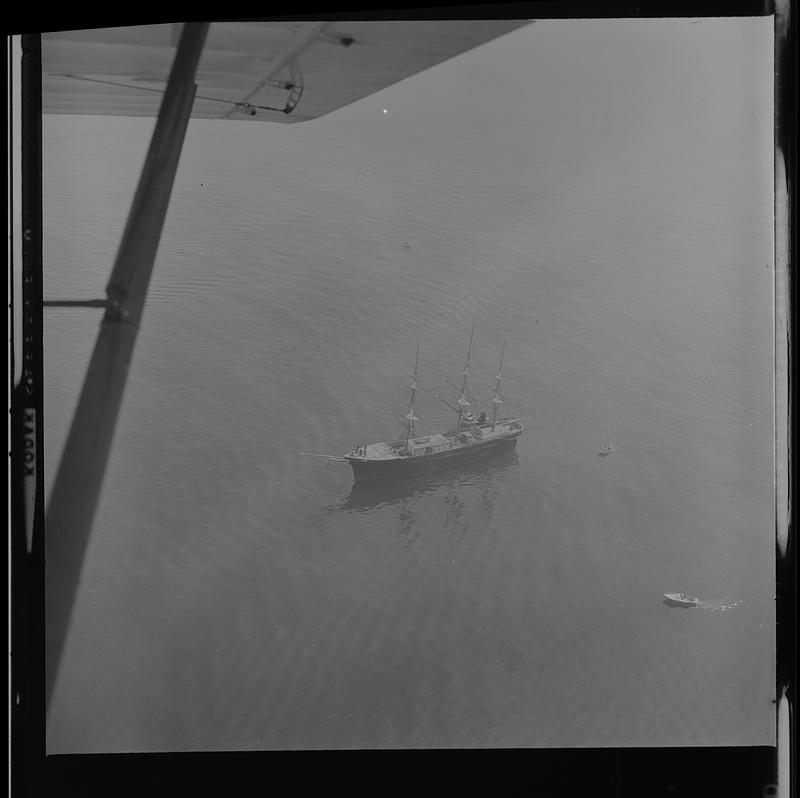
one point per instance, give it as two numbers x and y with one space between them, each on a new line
239 596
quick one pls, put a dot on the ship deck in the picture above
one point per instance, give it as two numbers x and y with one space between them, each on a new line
437 442
380 451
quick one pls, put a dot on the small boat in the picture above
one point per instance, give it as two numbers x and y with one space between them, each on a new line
681 600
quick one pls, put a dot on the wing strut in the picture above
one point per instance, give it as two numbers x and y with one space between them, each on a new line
80 473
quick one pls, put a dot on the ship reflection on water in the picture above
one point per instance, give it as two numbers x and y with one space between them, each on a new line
367 495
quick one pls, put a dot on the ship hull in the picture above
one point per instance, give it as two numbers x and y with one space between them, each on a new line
408 467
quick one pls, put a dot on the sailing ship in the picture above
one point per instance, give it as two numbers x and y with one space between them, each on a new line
471 437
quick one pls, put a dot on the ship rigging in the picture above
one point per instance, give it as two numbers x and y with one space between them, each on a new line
472 436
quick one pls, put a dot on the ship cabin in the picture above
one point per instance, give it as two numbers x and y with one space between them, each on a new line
430 444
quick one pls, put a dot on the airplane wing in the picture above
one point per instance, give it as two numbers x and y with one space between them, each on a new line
267 71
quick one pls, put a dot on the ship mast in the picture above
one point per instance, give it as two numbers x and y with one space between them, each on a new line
410 415
497 401
462 401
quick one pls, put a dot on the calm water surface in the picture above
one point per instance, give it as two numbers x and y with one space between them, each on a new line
239 596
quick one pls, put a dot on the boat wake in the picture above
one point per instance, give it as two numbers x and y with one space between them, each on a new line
718 605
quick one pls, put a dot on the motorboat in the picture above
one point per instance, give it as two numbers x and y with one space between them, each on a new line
681 600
